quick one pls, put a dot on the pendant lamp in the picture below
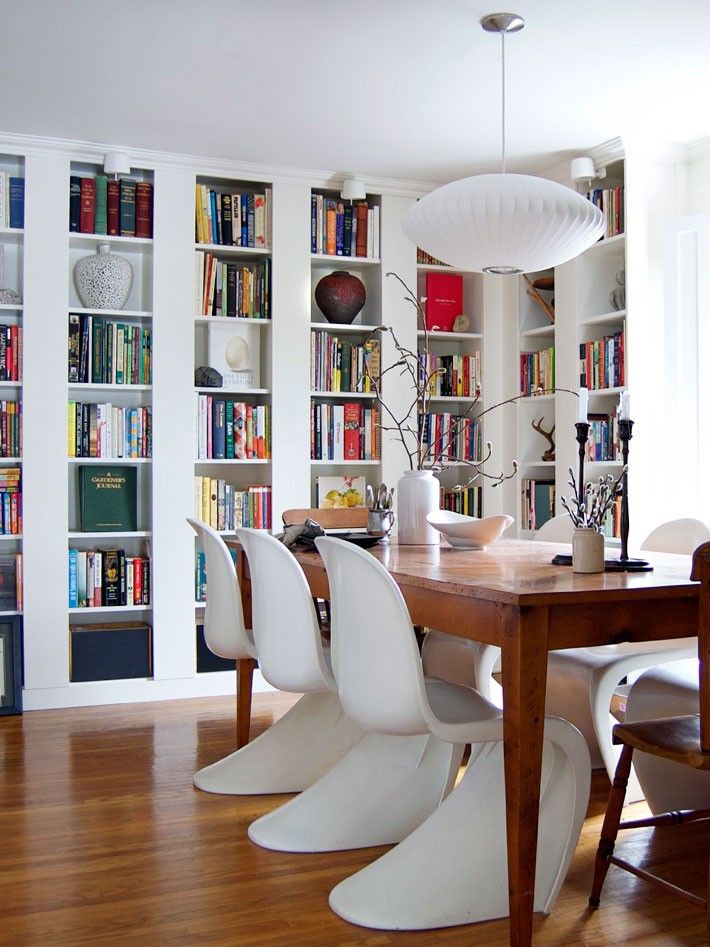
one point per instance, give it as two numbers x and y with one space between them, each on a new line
503 223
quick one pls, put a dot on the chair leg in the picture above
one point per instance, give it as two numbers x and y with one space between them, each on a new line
610 828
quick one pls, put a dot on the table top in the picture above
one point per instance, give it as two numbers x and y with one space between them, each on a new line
519 572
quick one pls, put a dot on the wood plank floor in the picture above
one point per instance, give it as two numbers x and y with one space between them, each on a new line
104 841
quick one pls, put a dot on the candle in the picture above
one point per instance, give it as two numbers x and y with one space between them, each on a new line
583 405
624 405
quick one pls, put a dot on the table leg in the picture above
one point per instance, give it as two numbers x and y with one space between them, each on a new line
524 666
245 673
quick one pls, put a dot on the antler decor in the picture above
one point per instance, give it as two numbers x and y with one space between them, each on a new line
550 452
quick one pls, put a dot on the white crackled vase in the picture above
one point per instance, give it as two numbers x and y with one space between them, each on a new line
417 495
104 280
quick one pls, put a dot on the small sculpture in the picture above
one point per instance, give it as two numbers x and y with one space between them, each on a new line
550 452
461 323
340 296
8 297
617 297
206 377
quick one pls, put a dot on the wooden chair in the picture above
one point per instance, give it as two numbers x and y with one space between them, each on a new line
684 740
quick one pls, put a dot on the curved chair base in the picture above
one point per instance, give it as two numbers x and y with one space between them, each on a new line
291 755
453 868
462 661
376 795
668 691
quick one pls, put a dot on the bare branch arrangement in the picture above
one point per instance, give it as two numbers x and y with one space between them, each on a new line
598 498
424 456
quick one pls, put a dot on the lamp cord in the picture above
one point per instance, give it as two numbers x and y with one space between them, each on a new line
502 129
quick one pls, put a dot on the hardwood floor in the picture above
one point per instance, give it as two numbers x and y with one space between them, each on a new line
104 841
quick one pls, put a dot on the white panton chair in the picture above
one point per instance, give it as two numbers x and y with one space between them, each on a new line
313 734
452 869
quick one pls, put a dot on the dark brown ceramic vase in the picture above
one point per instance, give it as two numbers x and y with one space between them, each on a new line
340 297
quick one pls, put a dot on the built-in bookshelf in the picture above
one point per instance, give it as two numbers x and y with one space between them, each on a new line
109 421
453 358
12 258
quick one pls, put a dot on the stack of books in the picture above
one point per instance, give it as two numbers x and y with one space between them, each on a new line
122 208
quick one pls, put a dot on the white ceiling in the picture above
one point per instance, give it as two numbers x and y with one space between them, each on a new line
398 88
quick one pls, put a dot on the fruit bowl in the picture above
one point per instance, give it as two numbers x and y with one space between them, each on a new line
468 532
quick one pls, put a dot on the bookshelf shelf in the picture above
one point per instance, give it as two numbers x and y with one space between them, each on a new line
343 262
11 384
111 313
435 336
599 392
346 395
109 609
8 308
231 321
613 245
345 463
110 460
108 537
531 462
351 329
80 239
96 386
9 537
234 462
232 391
11 235
439 268
218 249
611 318
543 331
453 399
7 613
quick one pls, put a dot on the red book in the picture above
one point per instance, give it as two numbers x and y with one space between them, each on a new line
351 436
144 209
87 205
361 240
137 581
444 300
113 202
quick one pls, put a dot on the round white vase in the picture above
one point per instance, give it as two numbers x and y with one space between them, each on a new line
103 280
417 495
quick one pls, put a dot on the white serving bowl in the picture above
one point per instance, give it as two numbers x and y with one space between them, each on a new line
468 532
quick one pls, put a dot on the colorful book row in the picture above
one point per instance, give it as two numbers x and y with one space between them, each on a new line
103 352
107 578
601 362
232 220
231 289
339 228
10 501
537 503
10 353
468 500
224 506
603 442
426 259
343 432
10 429
11 594
12 201
339 364
120 208
611 202
452 375
537 371
232 430
109 431
450 437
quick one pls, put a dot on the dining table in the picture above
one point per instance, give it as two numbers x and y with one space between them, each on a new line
513 596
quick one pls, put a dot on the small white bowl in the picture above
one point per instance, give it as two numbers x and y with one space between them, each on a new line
468 532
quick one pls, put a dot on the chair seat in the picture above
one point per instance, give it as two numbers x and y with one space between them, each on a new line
672 738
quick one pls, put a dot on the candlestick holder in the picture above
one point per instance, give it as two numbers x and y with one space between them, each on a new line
623 563
582 438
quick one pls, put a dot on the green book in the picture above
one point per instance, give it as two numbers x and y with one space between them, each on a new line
107 498
101 210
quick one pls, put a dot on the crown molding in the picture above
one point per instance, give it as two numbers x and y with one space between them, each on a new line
93 153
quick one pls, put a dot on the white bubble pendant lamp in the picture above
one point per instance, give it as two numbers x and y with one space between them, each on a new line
503 223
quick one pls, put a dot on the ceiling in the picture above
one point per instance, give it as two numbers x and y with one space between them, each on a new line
397 88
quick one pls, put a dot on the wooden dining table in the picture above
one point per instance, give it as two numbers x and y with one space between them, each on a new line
512 596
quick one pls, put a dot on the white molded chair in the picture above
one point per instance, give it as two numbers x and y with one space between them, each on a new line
668 691
313 734
367 790
453 868
581 681
472 663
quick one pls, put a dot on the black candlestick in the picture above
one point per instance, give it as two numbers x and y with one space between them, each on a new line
582 437
624 564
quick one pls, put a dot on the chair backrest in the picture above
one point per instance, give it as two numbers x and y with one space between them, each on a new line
680 536
284 622
376 661
558 529
354 517
225 632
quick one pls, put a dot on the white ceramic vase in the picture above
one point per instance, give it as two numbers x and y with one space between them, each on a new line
587 551
104 279
417 495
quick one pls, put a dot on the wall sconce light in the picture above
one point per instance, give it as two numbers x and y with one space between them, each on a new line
117 162
353 190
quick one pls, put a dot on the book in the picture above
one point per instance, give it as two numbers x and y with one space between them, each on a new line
144 209
113 207
340 492
101 215
128 207
444 300
108 498
87 207
74 202
17 203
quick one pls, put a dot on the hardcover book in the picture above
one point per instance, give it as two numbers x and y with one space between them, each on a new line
444 300
108 498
